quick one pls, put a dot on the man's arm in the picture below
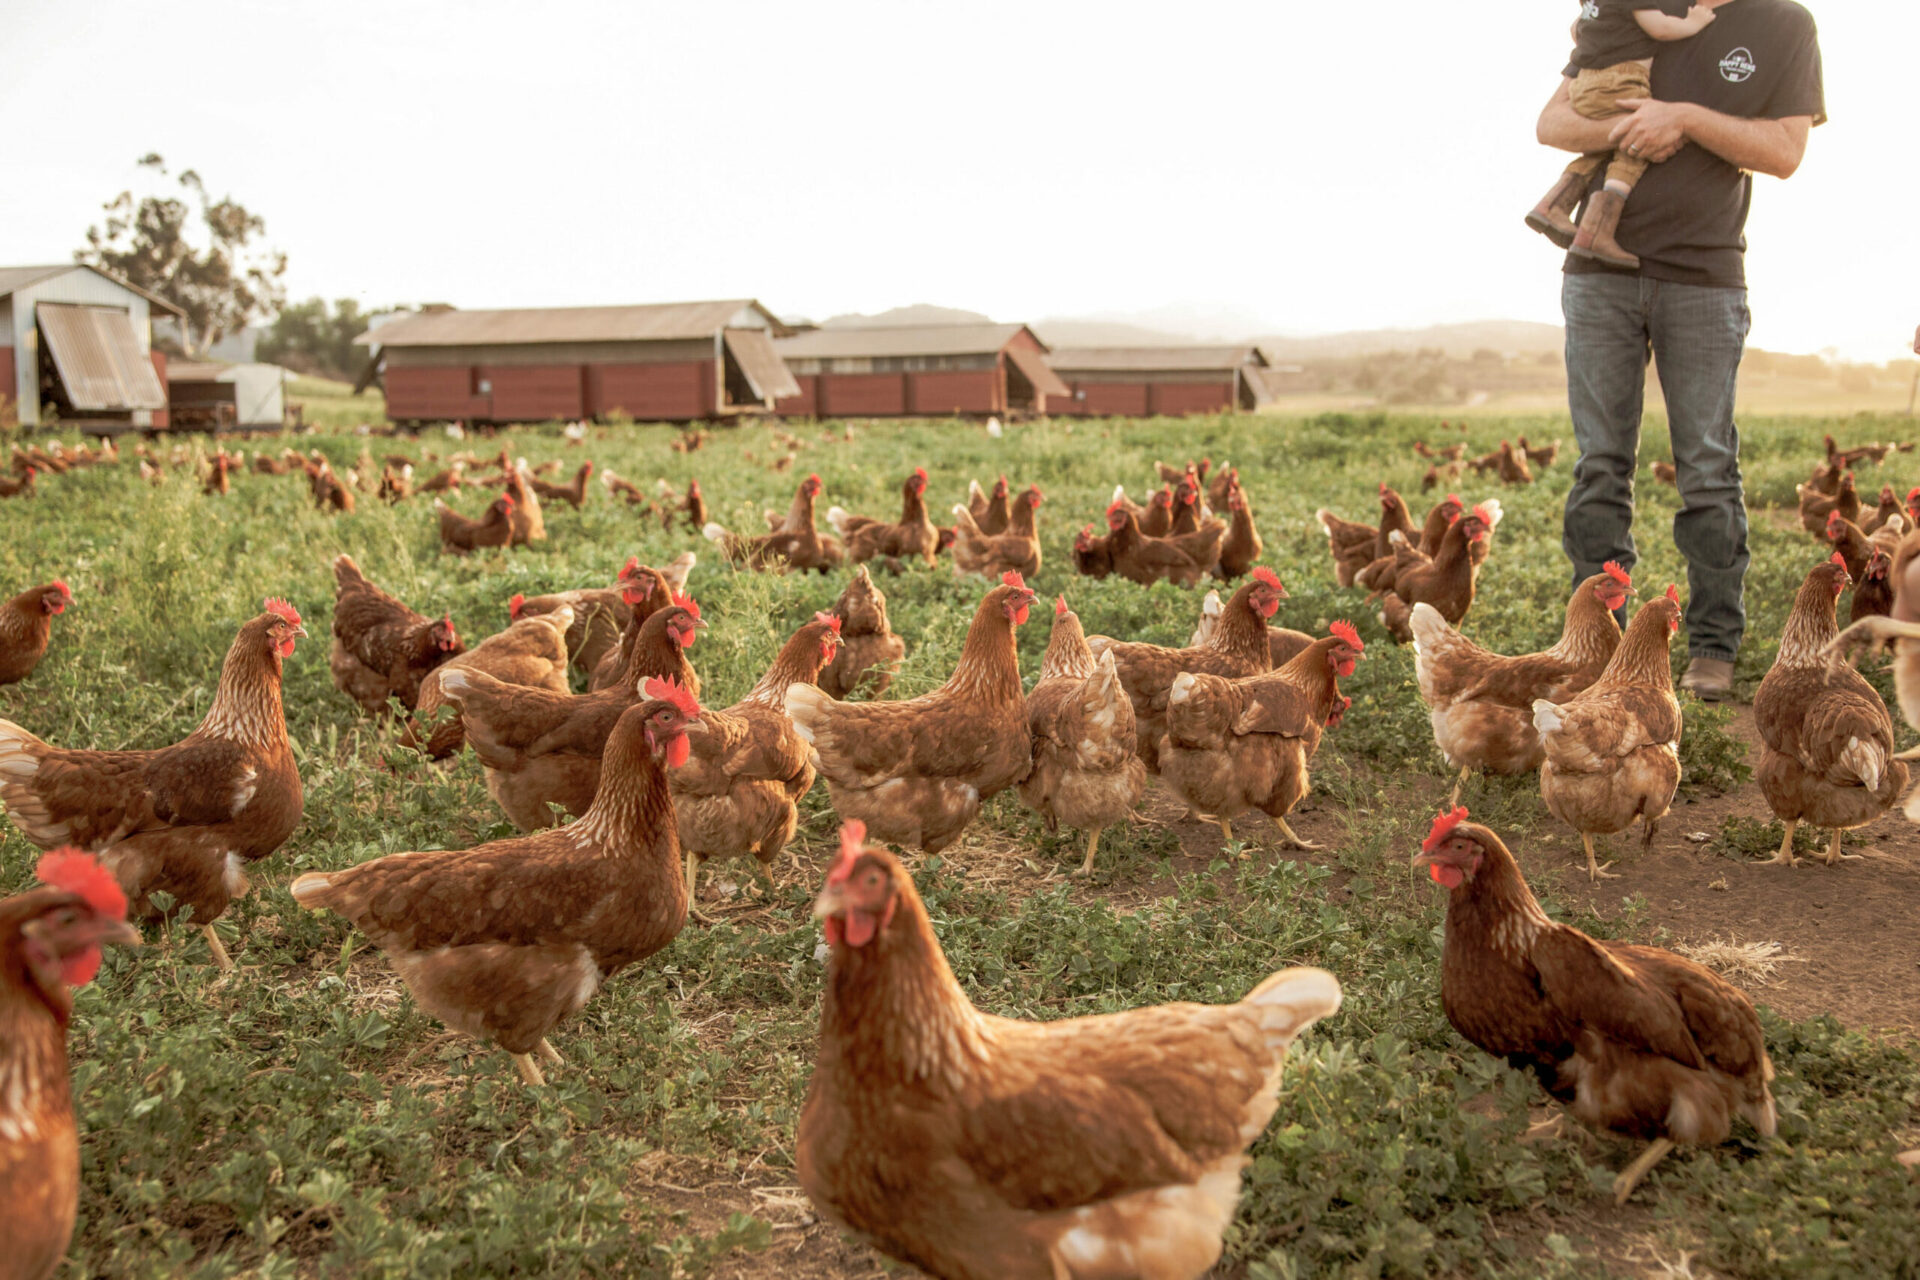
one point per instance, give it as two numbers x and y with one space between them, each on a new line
1566 129
1656 130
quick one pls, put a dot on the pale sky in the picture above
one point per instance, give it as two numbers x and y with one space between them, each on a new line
1313 167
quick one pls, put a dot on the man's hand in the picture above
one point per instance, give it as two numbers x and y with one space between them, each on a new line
1653 132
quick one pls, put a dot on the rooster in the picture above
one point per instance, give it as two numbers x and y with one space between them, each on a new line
505 941
1827 740
1085 770
917 771
1237 744
1237 647
26 628
1613 750
869 651
984 1148
1632 1039
739 790
183 820
50 940
381 648
1481 703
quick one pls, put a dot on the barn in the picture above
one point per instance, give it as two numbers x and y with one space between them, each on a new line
661 362
76 345
1139 382
210 396
918 370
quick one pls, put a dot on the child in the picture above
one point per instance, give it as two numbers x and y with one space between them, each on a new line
1614 44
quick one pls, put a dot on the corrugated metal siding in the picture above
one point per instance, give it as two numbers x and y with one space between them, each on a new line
434 393
1119 399
551 354
535 393
878 394
944 393
899 340
1174 398
102 363
161 417
652 392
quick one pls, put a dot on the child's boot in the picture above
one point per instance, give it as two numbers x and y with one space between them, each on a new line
1597 226
1553 216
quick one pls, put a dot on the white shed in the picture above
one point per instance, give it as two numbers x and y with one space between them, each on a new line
227 397
77 343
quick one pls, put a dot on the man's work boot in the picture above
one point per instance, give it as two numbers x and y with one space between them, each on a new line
1553 216
1595 238
1709 679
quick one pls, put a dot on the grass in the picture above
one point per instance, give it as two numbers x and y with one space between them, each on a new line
304 1118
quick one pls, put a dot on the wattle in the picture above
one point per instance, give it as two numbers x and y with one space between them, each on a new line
1445 876
78 969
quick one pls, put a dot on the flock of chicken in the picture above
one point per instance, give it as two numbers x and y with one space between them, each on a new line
507 940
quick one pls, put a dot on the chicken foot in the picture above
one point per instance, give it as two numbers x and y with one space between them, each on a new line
1785 856
1293 840
1459 782
1093 846
220 956
549 1053
1642 1165
693 885
1596 871
1834 856
529 1070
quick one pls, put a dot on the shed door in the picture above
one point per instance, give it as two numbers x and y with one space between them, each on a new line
752 352
100 362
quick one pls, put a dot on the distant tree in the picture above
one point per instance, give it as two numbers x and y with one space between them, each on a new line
222 277
311 337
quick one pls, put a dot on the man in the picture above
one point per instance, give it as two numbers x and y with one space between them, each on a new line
1737 99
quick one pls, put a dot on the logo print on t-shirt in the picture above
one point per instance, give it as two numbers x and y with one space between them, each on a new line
1590 11
1738 65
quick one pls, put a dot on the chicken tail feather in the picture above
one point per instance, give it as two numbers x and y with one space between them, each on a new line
1292 1000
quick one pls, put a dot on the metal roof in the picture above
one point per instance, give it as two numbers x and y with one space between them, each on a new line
1034 366
14 279
1153 359
99 359
899 340
652 322
764 369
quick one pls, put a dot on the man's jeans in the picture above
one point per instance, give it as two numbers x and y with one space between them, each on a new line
1697 334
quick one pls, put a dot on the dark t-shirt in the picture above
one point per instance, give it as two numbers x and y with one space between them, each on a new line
1687 218
1607 33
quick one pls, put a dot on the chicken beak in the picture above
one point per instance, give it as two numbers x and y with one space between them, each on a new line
1421 859
831 902
119 933
300 631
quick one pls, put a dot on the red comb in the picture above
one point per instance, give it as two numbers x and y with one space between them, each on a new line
1454 498
62 588
631 567
1483 515
815 479
1344 632
1913 493
1013 579
1383 488
1837 558
81 873
921 472
853 834
829 620
1443 827
1060 606
687 603
506 500
1618 574
1673 591
514 605
1267 578
668 689
282 610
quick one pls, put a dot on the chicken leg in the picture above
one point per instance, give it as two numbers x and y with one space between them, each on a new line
1642 1165
225 962
1834 856
1226 829
693 885
548 1052
1596 871
1459 782
1293 840
1785 856
529 1070
1093 846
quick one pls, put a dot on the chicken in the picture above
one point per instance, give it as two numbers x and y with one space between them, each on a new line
1378 576
1613 751
1825 479
1844 458
796 546
1446 581
1355 546
983 1148
1873 594
1232 745
990 512
574 494
1091 558
1282 642
1156 518
1144 560
529 522
11 488
447 481
692 505
1439 475
50 940
642 593
1630 1039
1200 535
1242 547
396 486
739 790
1665 473
183 820
869 651
1513 465
615 484
530 652
1889 506
505 941
461 535
1224 478
1452 453
381 648
218 480
600 615
1188 514
1541 455
1237 647
1827 741
995 555
542 748
917 772
1851 545
1481 703
1174 475
914 535
26 627
1085 770
1815 506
